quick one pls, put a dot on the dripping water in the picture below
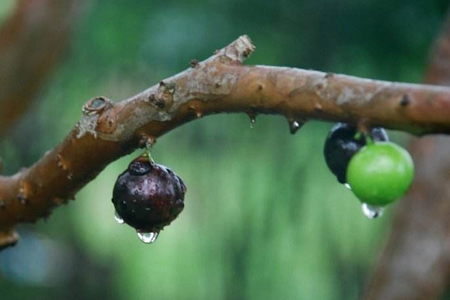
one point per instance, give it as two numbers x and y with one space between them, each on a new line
252 121
118 218
147 237
372 211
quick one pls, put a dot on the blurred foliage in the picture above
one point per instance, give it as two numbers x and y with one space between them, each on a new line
264 218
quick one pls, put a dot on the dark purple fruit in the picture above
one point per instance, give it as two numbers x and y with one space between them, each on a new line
341 145
148 196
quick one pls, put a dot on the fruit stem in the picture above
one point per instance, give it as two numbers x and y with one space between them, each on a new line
369 139
147 152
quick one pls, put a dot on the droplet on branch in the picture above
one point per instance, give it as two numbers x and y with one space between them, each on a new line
295 125
252 117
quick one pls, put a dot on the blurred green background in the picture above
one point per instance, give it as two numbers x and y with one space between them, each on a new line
264 218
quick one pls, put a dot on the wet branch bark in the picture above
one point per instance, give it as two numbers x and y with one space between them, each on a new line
220 84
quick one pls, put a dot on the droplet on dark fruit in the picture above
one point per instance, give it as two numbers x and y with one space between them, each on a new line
118 218
147 237
341 144
148 196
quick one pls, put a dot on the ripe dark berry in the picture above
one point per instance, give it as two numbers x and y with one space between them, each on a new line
341 145
148 196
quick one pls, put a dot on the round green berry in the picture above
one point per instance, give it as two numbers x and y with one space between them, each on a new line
380 173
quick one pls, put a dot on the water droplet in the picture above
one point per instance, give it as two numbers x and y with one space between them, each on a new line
372 211
347 186
294 126
118 218
147 237
252 121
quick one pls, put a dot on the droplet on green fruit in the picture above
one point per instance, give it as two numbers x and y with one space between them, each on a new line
372 211
380 173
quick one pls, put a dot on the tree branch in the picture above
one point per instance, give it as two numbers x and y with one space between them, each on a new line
30 48
221 84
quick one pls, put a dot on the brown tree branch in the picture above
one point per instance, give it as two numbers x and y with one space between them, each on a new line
415 263
31 43
221 84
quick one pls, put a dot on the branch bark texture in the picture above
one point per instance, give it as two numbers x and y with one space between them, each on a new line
220 84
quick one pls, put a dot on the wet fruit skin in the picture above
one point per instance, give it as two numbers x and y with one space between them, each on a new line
380 173
341 145
148 196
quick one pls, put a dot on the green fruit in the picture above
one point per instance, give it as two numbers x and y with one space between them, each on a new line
380 173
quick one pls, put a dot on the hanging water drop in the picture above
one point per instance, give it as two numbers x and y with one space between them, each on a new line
294 126
372 211
147 237
252 121
347 186
118 218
